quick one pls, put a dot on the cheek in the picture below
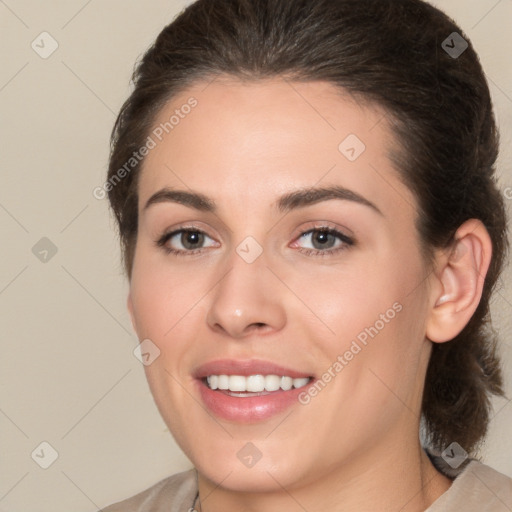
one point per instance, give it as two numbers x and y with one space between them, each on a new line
166 306
382 333
163 298
372 316
350 299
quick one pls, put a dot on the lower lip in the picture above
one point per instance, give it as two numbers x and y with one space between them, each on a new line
249 409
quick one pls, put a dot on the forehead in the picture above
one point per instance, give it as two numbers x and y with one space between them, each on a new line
245 143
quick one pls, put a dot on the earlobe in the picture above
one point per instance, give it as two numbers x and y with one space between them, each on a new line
460 278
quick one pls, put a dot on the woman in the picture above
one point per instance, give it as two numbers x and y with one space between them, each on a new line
311 228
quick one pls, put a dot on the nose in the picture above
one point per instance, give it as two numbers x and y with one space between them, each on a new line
247 299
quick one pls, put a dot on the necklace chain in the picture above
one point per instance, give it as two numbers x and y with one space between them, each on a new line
197 501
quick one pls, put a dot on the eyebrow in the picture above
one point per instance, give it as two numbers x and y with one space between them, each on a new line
191 199
287 202
308 196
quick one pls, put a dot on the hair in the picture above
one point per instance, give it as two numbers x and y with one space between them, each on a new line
388 53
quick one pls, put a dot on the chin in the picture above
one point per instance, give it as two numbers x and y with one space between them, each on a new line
239 473
264 479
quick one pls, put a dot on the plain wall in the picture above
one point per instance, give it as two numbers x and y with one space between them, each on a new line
69 376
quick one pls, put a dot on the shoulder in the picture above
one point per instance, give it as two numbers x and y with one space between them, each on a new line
478 488
173 494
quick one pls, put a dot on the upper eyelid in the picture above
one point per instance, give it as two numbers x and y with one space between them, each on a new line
324 225
184 227
167 235
345 239
312 226
297 234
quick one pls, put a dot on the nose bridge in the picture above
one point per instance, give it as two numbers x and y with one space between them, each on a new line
246 296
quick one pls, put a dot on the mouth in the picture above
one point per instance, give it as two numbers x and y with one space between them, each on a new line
249 391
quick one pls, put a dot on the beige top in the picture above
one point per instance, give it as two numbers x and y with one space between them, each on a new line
478 488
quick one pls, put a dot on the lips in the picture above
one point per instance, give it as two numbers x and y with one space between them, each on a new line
233 404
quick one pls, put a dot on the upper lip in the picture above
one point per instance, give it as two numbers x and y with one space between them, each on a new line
246 367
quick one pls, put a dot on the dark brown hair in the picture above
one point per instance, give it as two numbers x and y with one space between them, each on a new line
391 53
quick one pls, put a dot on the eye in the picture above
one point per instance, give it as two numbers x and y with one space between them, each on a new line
185 241
323 241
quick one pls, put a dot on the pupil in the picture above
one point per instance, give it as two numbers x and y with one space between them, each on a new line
322 238
191 238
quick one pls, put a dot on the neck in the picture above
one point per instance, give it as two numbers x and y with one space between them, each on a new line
402 479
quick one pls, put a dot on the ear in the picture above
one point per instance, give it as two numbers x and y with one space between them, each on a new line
129 304
458 282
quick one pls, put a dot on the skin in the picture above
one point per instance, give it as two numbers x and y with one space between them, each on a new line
354 445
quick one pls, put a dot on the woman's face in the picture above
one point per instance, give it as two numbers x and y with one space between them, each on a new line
271 280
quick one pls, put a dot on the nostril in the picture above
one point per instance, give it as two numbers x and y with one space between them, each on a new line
258 326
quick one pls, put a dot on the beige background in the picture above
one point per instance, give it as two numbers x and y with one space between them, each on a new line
69 376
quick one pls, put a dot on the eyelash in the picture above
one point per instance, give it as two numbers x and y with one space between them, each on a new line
347 241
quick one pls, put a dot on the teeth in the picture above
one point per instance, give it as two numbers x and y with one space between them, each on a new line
236 383
213 381
255 383
223 382
272 383
287 383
